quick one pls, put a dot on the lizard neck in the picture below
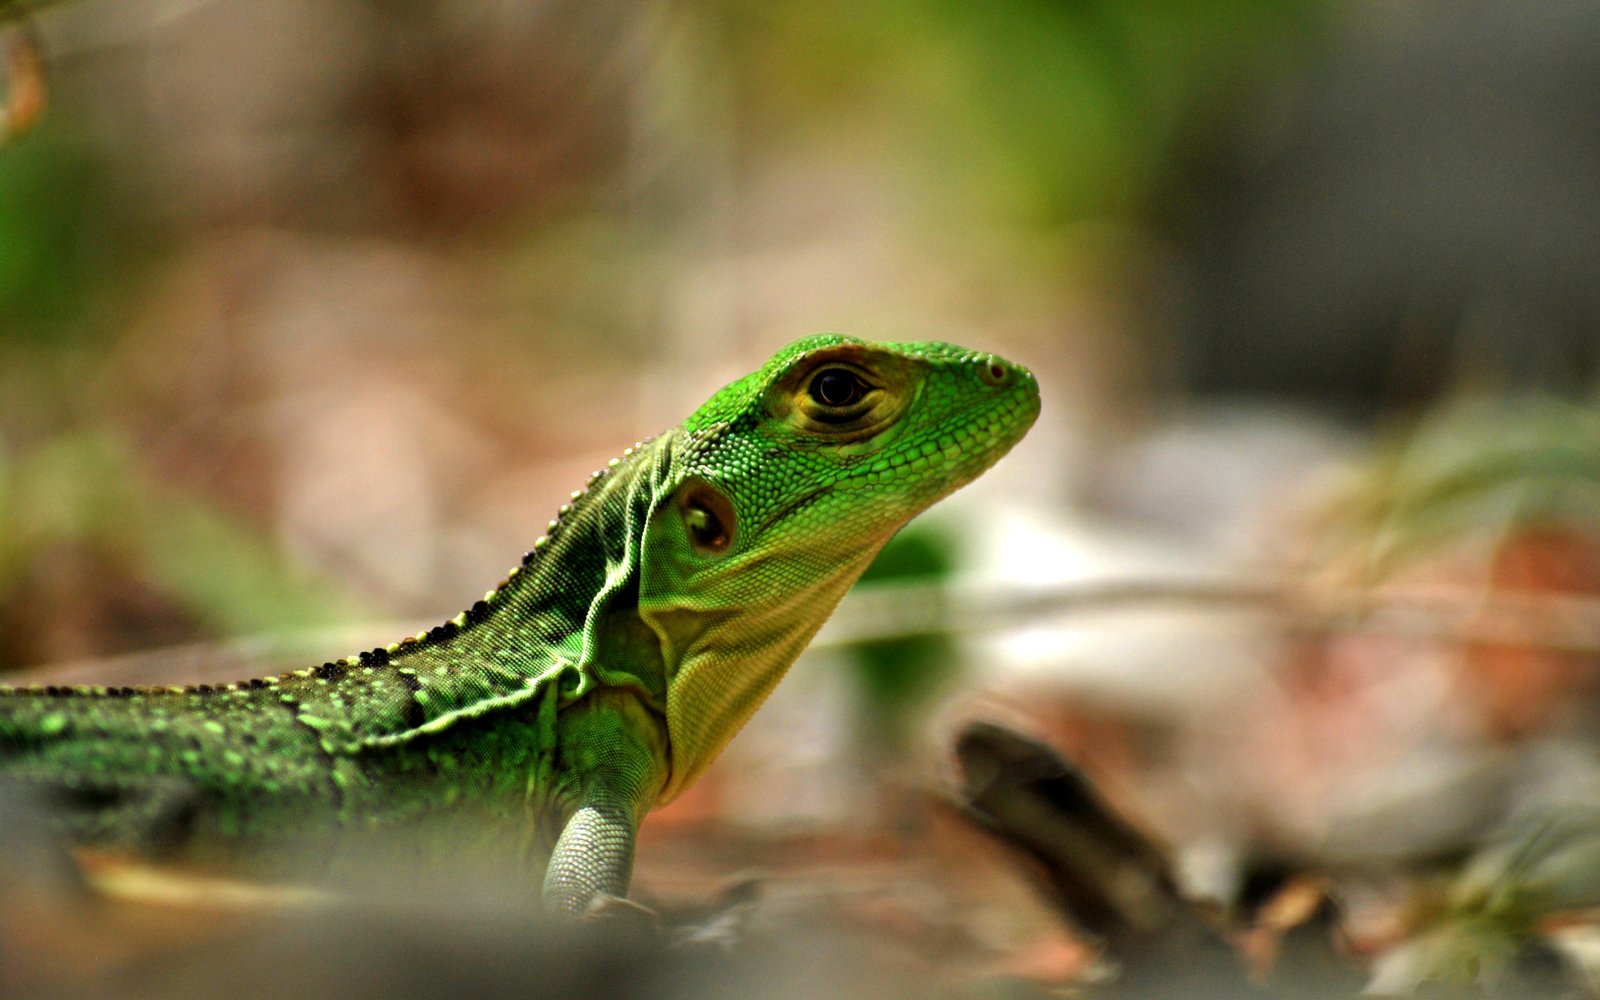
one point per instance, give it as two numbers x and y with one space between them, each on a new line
573 603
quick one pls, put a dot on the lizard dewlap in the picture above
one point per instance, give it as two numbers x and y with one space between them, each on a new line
601 677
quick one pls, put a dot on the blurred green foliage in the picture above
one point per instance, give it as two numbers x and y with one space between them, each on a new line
1033 112
89 492
898 676
1478 468
66 236
73 243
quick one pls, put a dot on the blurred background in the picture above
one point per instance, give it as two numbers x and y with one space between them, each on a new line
311 313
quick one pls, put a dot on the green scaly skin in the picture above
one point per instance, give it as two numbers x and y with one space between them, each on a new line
601 677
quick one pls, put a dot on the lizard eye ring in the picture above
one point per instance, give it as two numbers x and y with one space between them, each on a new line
707 518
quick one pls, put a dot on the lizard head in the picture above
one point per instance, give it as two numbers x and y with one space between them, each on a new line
782 488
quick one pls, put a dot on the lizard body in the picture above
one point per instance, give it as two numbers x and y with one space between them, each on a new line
602 676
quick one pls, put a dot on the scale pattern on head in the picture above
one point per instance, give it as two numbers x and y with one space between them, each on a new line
783 487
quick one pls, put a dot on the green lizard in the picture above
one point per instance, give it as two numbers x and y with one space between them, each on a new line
601 677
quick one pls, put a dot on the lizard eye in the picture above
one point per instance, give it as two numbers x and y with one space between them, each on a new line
836 388
845 395
708 518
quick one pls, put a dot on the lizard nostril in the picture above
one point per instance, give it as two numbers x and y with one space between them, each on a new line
994 373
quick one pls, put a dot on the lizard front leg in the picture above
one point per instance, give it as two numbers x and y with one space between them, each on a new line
615 750
593 856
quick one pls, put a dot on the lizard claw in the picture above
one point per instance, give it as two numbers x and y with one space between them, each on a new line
622 913
728 925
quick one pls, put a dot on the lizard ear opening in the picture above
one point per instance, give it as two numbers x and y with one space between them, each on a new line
708 518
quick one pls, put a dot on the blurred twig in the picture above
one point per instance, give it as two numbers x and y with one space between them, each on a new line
1568 623
24 79
216 662
1095 867
1545 621
1104 874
